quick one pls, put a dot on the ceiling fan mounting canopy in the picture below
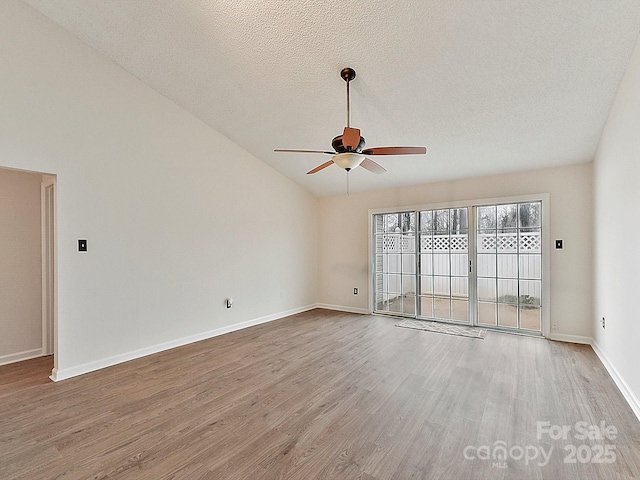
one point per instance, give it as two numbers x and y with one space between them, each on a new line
349 151
348 74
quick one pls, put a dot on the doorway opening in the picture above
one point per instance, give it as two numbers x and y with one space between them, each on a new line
28 308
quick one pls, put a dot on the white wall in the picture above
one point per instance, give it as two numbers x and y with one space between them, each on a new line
177 217
20 266
617 229
344 234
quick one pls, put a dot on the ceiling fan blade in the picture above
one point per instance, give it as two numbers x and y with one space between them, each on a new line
303 151
395 151
320 167
372 166
351 138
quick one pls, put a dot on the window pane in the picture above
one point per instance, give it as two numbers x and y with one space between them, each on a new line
508 266
531 267
458 221
508 315
391 223
385 283
487 313
487 289
507 216
426 221
441 264
460 310
426 285
507 241
426 243
408 263
442 307
460 287
508 291
426 306
486 265
460 264
441 220
409 305
459 242
408 244
530 293
441 286
530 214
379 223
487 217
530 241
487 241
394 264
441 243
426 264
395 284
530 318
408 284
395 305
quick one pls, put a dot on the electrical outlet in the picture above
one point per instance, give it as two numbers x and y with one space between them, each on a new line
355 291
603 322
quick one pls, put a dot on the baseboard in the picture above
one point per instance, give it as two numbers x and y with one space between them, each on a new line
20 356
63 374
627 393
341 308
563 337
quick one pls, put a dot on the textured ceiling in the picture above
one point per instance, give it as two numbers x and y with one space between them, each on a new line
487 86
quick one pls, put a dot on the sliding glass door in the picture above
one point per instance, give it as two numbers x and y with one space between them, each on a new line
427 266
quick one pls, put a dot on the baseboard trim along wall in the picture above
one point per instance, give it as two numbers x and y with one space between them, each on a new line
341 308
562 337
63 374
629 396
20 356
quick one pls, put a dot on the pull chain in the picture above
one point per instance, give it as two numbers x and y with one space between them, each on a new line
348 194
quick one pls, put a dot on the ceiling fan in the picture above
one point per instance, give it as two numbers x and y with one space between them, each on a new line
349 151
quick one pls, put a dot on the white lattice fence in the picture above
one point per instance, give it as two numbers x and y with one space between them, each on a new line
398 243
444 243
528 242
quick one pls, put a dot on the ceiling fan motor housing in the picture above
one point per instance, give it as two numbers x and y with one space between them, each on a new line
337 145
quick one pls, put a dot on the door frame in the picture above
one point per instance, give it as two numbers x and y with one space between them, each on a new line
48 198
473 204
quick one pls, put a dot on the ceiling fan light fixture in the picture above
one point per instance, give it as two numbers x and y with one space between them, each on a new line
348 160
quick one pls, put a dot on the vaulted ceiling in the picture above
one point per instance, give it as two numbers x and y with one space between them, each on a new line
488 86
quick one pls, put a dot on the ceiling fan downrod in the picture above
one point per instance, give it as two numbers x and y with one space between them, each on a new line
347 75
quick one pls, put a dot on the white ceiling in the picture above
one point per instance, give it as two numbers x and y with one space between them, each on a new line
487 86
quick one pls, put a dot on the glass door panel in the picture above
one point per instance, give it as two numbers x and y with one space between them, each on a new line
395 263
444 264
509 265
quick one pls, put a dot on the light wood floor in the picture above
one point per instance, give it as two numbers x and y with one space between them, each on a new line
319 395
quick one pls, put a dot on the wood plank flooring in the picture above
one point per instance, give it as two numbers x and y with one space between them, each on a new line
322 394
